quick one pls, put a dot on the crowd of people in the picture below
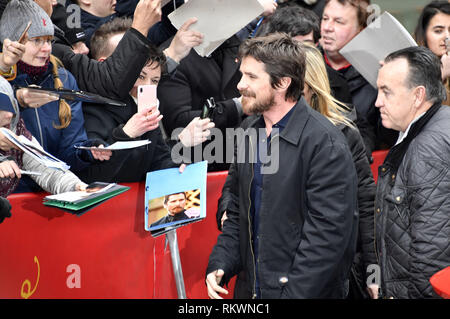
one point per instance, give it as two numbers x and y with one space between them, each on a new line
314 226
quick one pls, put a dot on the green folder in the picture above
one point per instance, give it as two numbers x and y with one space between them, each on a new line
87 203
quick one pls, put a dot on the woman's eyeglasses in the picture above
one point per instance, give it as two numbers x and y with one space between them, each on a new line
39 42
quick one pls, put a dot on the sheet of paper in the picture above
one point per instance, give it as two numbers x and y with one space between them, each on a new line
382 37
34 150
118 145
218 20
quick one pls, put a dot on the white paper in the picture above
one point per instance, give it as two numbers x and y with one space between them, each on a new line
77 195
218 20
382 37
118 145
34 150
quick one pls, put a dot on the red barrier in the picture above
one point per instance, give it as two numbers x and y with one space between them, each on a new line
105 253
441 283
378 159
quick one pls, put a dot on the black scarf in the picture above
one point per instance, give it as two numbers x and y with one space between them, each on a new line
396 153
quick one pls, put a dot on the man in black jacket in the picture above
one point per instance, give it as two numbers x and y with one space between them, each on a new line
292 223
412 202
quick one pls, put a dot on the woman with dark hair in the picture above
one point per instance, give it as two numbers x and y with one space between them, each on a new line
432 30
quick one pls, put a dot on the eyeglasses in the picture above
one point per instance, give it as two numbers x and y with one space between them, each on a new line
39 42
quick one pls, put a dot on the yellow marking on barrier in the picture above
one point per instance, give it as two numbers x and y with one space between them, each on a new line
27 294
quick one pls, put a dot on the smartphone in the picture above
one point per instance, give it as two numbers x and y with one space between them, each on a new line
146 96
22 36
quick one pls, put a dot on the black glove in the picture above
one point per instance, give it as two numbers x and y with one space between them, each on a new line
5 209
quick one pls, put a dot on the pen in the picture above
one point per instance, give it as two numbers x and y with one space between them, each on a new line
258 25
30 173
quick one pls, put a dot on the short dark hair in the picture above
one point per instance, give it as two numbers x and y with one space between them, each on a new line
99 44
100 41
282 57
428 12
424 69
361 9
293 20
166 198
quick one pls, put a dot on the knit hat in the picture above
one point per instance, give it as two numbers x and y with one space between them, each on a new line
16 16
7 100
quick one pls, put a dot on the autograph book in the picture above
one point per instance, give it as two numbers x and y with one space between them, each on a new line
79 202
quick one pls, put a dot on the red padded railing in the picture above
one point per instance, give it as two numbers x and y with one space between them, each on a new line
105 253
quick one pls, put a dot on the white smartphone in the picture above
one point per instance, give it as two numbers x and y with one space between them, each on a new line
146 97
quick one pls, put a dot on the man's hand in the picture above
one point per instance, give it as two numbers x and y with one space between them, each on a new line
143 121
223 219
212 282
80 48
29 98
146 14
196 132
184 41
9 169
11 54
269 7
373 291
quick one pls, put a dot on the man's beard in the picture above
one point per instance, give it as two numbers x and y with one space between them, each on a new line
177 210
257 107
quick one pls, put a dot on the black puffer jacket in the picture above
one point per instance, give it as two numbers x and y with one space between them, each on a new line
413 208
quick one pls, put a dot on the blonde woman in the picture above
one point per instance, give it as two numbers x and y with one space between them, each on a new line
317 93
56 124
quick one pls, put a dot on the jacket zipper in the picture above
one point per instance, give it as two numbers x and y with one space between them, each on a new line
249 223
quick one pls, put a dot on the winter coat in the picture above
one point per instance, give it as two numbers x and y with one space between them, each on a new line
413 208
113 78
105 123
51 180
39 121
366 196
308 216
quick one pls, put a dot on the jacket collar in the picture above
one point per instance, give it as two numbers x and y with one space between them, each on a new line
294 128
396 154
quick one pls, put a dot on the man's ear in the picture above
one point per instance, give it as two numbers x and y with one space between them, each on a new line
85 3
284 83
420 96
